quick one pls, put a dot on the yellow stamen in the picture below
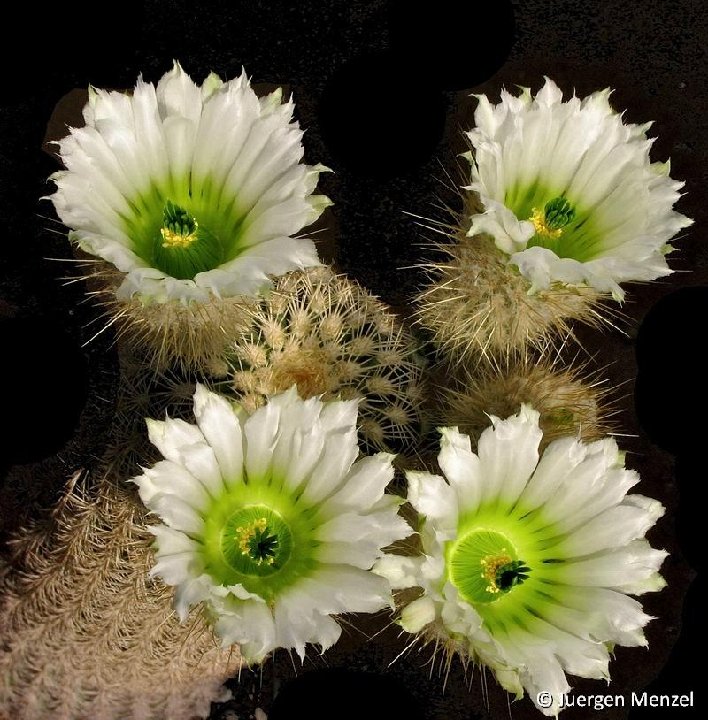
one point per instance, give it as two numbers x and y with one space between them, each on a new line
490 565
245 533
177 240
538 218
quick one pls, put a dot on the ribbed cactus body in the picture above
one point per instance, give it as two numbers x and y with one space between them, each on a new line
87 634
330 337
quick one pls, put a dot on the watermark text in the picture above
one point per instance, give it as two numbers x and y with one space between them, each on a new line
598 702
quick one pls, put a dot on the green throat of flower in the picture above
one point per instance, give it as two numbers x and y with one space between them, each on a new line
484 566
184 234
184 247
258 537
560 224
511 565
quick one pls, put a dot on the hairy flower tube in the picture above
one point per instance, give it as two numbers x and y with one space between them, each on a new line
529 562
189 191
270 520
568 191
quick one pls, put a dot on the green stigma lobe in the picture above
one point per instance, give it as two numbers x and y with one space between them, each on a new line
558 213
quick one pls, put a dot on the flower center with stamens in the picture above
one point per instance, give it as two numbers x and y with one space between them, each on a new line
179 229
256 541
179 244
484 566
556 215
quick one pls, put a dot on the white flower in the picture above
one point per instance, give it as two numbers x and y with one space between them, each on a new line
270 520
190 191
569 192
528 563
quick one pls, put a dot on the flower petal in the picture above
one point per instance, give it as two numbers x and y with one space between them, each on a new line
222 430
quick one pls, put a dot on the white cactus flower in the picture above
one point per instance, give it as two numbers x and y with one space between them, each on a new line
270 520
568 190
528 563
192 192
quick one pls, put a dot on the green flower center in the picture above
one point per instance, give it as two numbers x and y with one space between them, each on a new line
183 247
484 566
258 536
561 224
185 228
256 541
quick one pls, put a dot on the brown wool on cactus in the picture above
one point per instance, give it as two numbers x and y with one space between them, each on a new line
328 336
478 306
87 631
570 400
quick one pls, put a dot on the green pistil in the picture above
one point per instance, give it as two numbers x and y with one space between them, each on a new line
263 545
484 566
558 213
511 574
179 228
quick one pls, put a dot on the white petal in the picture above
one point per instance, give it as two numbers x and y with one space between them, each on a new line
368 533
340 452
348 589
363 485
185 445
252 627
508 454
558 459
432 497
177 513
167 477
260 433
177 568
222 430
624 569
416 615
613 528
401 571
190 593
461 467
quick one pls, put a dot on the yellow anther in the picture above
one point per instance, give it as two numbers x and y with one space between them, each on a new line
173 239
538 218
246 533
490 566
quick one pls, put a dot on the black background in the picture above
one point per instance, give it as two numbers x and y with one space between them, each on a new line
382 91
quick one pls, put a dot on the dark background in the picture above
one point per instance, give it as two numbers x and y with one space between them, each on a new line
382 91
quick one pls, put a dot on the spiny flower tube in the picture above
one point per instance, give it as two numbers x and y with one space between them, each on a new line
568 190
528 563
270 520
190 191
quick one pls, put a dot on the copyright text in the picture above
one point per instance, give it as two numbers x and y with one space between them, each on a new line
546 699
